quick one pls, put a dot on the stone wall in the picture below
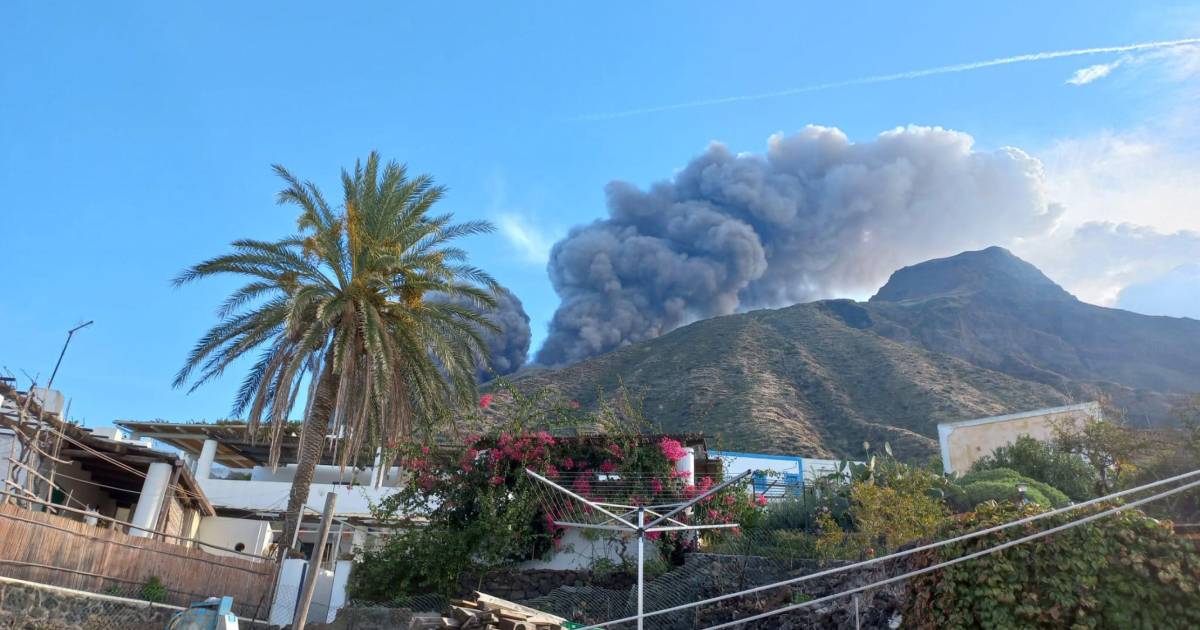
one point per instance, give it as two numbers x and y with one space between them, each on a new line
31 606
527 584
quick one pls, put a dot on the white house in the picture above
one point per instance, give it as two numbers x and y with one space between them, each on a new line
776 475
251 498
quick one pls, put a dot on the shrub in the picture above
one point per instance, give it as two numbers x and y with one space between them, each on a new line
472 508
1124 571
897 504
1043 462
154 591
1000 484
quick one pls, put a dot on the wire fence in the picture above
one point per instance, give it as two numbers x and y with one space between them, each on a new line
704 575
33 606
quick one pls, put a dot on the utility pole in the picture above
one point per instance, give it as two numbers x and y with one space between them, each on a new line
50 384
70 333
314 562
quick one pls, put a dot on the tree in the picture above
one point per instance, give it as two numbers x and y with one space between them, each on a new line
343 303
1106 444
1188 413
1040 460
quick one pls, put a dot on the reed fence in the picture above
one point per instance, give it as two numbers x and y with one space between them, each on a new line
59 551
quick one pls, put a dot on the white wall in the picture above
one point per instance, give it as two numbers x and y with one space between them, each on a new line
735 463
778 468
291 577
578 550
82 492
272 496
228 532
323 474
9 444
337 597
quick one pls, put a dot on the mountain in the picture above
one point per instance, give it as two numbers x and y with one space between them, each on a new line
997 311
976 334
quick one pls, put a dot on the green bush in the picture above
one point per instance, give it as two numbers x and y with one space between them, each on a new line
1043 462
1000 484
1125 571
154 591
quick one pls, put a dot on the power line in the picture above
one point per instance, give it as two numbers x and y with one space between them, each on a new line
908 552
961 559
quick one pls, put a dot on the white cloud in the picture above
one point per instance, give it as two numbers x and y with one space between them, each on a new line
1147 177
908 75
1131 212
1175 63
1100 261
532 242
1084 76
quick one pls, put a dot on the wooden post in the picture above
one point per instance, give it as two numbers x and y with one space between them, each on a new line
314 562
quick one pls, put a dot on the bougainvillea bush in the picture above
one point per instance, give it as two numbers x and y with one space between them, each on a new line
1123 571
470 507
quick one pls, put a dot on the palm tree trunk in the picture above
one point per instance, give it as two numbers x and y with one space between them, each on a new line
316 426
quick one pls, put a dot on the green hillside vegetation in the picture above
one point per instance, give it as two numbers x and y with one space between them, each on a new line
796 380
977 334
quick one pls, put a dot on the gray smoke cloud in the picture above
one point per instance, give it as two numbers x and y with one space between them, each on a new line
815 216
509 348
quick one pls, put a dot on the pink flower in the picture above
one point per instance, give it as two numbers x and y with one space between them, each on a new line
470 439
424 450
607 467
574 404
552 472
426 482
672 449
615 449
656 485
761 500
545 438
485 401
653 535
497 480
568 463
713 514
704 484
729 500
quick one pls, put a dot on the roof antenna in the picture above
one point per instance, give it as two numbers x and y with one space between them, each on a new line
70 333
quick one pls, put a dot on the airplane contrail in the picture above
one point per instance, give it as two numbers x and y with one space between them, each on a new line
898 76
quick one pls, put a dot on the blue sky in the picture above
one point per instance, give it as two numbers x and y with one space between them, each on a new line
136 138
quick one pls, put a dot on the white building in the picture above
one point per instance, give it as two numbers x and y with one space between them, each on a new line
251 498
776 475
83 474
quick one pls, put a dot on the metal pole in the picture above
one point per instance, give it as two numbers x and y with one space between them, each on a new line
314 563
641 564
49 385
70 333
857 624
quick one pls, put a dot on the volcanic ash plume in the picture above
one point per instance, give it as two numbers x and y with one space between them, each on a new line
509 348
816 216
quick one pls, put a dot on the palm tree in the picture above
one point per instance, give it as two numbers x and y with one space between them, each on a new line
343 302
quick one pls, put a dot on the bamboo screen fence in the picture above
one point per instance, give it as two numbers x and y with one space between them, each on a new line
51 549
